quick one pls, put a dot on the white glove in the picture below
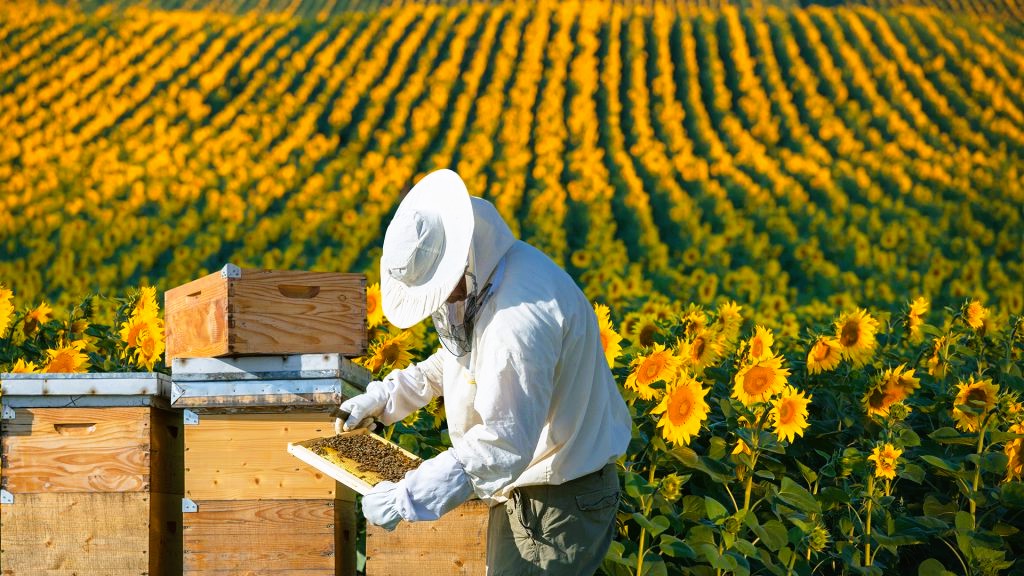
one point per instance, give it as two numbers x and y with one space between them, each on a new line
362 409
379 506
432 489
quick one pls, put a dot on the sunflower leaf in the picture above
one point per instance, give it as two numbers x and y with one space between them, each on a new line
940 463
947 435
796 496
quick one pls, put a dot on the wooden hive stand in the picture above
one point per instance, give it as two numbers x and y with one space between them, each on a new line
250 508
91 477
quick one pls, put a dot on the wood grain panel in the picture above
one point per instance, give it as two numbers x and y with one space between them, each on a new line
267 312
245 456
272 535
77 532
298 312
454 545
167 459
196 318
77 450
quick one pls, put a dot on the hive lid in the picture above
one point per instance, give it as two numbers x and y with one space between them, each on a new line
283 382
84 389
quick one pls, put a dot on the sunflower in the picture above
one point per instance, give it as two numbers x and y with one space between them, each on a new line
130 330
22 367
701 351
610 339
660 364
643 330
146 306
392 352
374 311
67 359
789 414
150 345
730 320
1015 454
979 397
760 344
975 314
918 308
40 315
760 381
937 363
6 309
683 409
824 356
693 320
885 459
896 385
856 334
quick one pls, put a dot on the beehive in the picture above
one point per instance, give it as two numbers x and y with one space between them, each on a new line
250 507
92 475
247 311
454 545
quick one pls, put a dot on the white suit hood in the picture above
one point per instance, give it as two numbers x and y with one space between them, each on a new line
492 238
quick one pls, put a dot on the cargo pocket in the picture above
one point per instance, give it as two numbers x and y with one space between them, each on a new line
599 500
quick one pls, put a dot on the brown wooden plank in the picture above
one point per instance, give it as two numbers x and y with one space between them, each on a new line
167 459
297 312
345 537
245 456
87 533
236 517
196 318
77 450
271 535
165 535
255 571
454 545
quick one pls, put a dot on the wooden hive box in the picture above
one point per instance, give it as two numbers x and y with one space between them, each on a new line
250 507
454 545
92 475
262 312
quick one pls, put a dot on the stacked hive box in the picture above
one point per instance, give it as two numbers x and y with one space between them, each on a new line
251 508
455 545
92 475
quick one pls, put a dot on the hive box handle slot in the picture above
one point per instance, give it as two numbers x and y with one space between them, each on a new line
77 429
298 292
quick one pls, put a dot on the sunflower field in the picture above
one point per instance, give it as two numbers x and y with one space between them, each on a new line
801 228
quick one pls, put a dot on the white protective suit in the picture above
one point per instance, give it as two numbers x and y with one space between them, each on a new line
533 402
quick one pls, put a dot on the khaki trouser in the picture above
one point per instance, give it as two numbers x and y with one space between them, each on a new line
554 530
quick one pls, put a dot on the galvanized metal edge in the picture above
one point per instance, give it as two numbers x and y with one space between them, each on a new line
86 401
91 384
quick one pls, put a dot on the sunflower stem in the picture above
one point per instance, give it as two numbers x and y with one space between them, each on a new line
977 473
643 531
867 521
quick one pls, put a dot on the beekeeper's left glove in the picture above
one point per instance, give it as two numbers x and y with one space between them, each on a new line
379 506
426 493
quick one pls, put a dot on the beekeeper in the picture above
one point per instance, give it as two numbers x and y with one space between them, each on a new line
535 418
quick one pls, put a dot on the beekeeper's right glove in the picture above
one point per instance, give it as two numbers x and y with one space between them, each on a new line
362 409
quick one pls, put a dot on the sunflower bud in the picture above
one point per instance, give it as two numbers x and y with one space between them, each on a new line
671 487
818 539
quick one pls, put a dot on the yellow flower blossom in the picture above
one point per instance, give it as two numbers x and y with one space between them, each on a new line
683 409
659 365
885 458
980 397
610 339
789 414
